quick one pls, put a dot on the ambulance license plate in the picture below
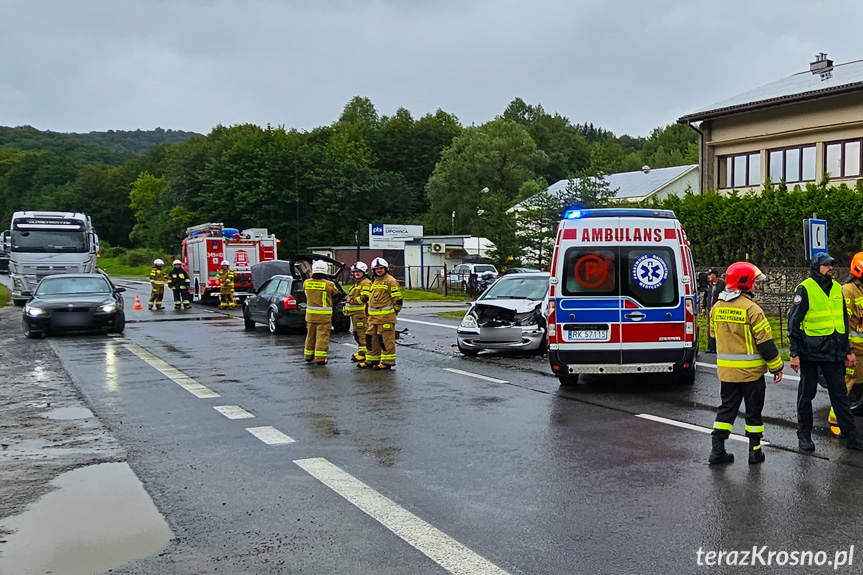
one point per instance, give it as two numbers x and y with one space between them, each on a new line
588 335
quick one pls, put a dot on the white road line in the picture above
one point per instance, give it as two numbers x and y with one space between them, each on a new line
172 373
476 375
350 345
233 411
270 435
658 419
401 319
713 366
435 544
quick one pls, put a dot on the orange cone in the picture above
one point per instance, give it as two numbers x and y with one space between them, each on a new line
137 303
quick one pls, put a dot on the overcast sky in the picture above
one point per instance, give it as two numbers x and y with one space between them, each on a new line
627 66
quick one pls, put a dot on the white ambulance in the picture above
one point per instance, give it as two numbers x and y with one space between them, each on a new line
622 295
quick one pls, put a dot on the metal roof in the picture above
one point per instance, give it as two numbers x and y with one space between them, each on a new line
638 184
802 86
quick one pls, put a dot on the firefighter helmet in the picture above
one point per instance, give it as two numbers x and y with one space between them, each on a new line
225 263
742 275
857 265
158 263
359 267
319 267
177 263
380 263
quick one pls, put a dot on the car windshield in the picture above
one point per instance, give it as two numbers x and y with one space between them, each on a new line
484 268
72 285
521 287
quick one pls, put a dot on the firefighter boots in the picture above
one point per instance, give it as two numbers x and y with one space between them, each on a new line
718 455
756 454
804 441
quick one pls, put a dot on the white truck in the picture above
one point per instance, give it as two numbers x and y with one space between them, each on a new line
40 244
207 245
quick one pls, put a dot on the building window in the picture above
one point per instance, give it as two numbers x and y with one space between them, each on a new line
740 171
792 165
843 159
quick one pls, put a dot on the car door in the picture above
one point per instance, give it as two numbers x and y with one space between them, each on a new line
261 302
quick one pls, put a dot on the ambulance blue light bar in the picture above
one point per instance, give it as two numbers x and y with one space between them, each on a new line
617 213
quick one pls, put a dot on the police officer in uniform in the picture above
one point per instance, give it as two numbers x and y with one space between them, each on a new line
320 295
180 283
355 308
745 351
385 301
818 334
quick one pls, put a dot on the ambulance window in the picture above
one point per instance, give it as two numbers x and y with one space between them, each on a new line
590 272
650 275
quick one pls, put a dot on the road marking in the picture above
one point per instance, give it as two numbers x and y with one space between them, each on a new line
270 435
476 375
172 373
692 427
401 319
433 543
713 366
233 411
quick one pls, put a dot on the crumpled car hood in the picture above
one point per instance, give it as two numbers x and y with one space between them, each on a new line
508 312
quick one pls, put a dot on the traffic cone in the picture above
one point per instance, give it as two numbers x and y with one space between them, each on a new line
137 303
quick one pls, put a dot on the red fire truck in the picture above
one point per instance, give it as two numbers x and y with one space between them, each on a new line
207 245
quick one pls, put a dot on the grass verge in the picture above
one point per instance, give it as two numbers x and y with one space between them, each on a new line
452 314
5 295
422 295
113 267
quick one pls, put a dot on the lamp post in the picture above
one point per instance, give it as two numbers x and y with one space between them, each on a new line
479 214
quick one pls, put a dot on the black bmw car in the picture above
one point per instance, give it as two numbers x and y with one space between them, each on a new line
74 302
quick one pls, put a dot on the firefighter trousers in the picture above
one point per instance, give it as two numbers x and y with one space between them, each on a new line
359 324
381 343
732 394
834 375
181 296
226 298
317 341
156 295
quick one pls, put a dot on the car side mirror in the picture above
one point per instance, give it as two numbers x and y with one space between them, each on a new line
119 289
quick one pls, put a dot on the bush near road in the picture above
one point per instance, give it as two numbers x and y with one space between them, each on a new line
5 295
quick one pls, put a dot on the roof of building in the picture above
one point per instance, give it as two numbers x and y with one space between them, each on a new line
808 85
640 184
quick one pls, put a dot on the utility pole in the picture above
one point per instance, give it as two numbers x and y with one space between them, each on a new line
359 231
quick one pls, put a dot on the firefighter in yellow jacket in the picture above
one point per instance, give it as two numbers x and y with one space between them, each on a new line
385 302
158 279
355 308
226 286
852 292
745 351
320 296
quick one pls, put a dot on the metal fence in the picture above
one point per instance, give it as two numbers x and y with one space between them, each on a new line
438 279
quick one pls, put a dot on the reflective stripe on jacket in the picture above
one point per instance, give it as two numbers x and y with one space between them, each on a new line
825 314
745 349
319 300
852 292
384 299
354 304
157 277
226 279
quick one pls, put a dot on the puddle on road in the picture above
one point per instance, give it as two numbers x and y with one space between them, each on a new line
69 413
99 518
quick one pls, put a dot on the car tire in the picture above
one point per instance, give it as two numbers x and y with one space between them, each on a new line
855 396
29 332
272 322
468 352
119 324
248 322
570 379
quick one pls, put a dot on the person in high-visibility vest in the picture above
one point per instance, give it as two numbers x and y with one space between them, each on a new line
355 308
226 286
320 295
385 302
745 351
852 293
158 279
818 336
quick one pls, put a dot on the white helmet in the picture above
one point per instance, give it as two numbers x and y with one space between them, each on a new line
359 267
319 267
225 263
157 262
175 262
380 263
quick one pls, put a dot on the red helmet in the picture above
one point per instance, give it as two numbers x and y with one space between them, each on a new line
742 275
857 265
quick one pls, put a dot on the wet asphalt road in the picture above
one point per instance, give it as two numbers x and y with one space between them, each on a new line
530 477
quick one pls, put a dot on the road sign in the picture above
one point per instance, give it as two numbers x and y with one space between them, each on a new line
815 237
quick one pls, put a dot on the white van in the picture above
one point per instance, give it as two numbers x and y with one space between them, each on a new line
622 296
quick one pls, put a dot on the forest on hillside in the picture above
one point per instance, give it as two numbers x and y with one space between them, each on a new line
312 188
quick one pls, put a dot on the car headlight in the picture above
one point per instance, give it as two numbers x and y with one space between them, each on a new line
34 311
469 321
108 307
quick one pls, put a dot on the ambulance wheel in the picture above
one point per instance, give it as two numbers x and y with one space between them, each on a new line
568 379
855 396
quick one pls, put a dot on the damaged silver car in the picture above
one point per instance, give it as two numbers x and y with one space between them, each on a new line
509 315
